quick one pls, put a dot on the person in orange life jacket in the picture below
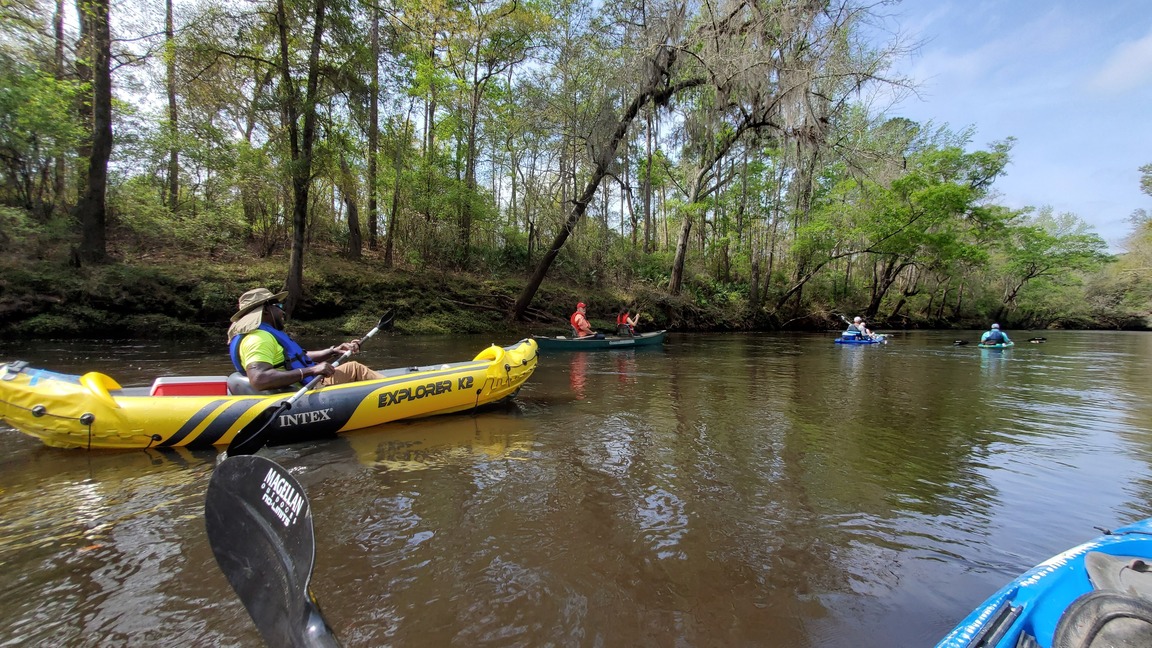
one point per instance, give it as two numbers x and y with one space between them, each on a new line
580 326
626 325
261 350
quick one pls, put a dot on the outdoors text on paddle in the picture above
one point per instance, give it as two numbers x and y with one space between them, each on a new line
280 496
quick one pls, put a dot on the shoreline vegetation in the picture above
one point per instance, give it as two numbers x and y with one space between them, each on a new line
168 296
479 169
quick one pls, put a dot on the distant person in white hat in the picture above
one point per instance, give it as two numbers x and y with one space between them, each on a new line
271 360
859 327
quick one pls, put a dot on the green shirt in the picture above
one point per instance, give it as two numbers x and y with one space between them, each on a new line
260 346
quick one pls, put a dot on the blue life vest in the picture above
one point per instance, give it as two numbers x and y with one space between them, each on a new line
295 357
994 337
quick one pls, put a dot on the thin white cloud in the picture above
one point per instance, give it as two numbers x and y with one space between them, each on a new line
1129 66
1003 56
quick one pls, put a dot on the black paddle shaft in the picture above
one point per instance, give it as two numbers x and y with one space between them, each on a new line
259 525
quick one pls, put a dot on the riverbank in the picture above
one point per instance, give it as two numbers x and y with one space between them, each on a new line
173 297
187 298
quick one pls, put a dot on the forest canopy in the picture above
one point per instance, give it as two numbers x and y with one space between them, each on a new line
727 156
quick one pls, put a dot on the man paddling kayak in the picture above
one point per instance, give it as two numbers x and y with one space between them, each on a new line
581 328
995 336
271 360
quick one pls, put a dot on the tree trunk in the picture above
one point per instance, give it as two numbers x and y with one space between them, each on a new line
91 208
85 58
429 140
881 283
647 186
173 188
59 184
600 169
470 153
373 127
398 166
676 280
301 144
348 191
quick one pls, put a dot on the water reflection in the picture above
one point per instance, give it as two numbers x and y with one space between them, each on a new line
578 369
721 490
99 535
497 433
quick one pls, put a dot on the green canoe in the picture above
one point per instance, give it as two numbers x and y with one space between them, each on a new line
564 343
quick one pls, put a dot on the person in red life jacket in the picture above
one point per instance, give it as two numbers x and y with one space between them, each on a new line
625 324
272 361
580 326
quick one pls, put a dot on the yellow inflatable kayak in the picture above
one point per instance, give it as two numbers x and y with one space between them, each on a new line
94 411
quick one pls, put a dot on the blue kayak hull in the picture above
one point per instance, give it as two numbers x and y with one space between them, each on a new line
998 345
859 340
1035 601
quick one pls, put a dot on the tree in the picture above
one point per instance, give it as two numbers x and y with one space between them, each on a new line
91 209
660 87
1047 246
489 38
37 129
173 186
301 137
373 127
930 216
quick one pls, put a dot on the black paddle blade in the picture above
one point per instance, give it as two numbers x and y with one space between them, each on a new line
254 435
387 321
259 526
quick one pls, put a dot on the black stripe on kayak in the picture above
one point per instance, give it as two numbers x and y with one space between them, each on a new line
319 414
221 424
190 424
345 400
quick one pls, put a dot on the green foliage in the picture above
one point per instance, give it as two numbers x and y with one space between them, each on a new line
37 126
1052 246
48 325
1120 294
150 225
17 227
831 204
506 252
46 237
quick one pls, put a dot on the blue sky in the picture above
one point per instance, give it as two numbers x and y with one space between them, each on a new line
1071 81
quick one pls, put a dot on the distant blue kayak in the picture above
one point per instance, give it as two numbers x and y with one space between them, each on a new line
859 339
1096 594
998 345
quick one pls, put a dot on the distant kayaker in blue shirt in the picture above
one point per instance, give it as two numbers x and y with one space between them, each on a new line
995 336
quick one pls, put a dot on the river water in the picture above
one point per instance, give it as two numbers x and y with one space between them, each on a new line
760 489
